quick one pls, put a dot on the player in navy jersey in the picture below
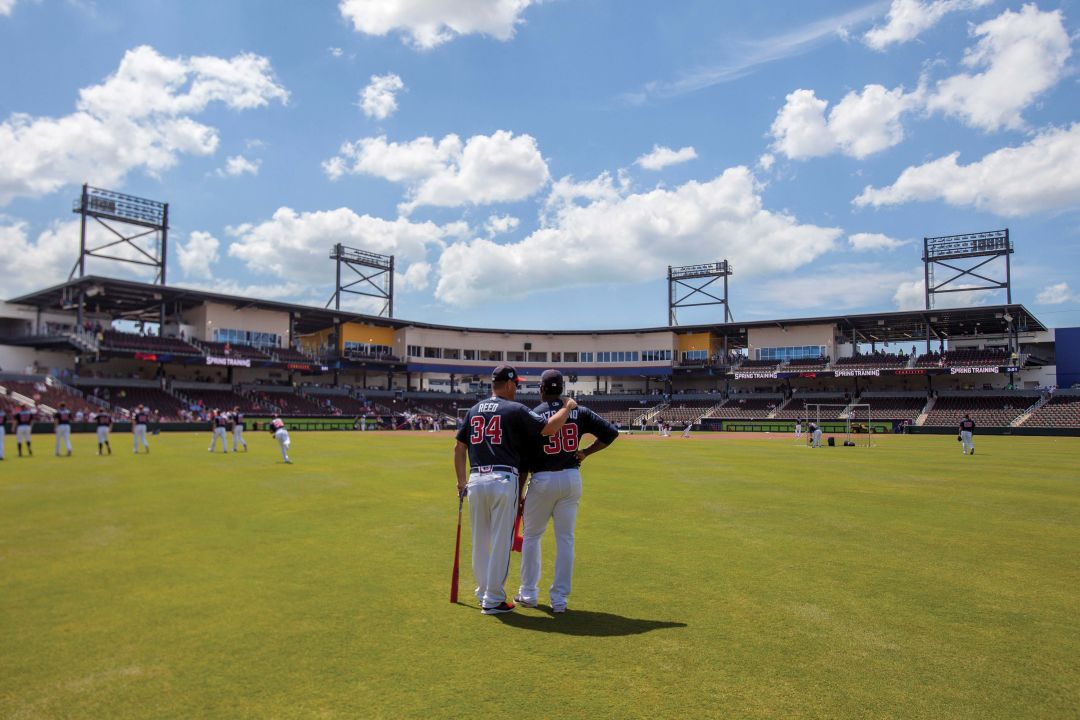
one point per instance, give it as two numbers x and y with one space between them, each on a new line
139 419
23 423
238 429
62 426
495 436
219 422
104 423
3 429
967 428
281 434
555 491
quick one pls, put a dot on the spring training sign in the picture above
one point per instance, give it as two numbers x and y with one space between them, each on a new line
229 361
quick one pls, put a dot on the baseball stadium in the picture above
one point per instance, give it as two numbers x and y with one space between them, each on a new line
738 568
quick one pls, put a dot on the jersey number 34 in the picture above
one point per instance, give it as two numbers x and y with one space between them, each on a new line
491 428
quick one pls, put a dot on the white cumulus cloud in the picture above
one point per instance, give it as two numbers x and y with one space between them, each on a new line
861 124
600 232
236 165
1055 294
501 224
294 246
138 118
378 99
1040 175
1021 55
429 23
484 169
198 254
6 6
865 242
662 156
908 19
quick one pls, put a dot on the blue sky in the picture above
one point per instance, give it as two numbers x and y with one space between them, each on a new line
540 164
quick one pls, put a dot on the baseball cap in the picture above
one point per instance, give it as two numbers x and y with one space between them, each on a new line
504 373
551 382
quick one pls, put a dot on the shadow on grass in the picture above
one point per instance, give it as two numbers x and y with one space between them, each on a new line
585 622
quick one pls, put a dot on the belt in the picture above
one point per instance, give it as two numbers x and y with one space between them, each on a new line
485 469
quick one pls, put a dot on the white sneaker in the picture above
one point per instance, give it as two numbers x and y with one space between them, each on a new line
558 608
523 602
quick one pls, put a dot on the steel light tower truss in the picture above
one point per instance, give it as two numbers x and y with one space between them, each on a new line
969 258
694 281
140 228
374 277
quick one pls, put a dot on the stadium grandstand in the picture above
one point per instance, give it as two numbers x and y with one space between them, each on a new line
181 351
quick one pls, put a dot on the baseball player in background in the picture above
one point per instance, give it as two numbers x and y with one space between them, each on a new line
798 429
104 423
3 429
238 429
555 491
686 430
23 425
62 428
967 428
139 418
281 434
815 435
495 437
219 422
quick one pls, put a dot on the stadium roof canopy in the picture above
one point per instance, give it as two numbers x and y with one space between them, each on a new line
137 301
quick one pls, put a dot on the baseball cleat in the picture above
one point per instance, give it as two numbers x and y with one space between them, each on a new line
558 608
520 600
503 607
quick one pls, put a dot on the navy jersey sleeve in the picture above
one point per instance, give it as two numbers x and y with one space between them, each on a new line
592 423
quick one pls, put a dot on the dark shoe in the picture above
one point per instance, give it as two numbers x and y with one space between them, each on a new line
503 607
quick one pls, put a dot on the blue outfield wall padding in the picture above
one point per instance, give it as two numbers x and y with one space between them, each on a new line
1067 349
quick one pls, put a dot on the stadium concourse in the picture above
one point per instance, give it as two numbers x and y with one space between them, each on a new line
98 343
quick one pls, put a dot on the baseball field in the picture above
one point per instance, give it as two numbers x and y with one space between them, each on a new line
723 576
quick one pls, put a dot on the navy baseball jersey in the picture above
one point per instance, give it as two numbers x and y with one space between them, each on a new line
967 425
103 420
141 418
499 432
238 418
221 421
24 417
276 424
63 417
558 453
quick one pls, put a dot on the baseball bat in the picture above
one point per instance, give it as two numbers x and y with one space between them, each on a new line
457 552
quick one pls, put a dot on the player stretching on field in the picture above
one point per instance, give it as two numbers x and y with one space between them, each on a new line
23 420
238 429
495 436
277 429
104 422
555 491
138 428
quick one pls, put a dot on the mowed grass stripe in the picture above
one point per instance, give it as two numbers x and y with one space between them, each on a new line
726 576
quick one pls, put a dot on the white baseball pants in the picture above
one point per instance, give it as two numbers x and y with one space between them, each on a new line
493 499
219 433
63 436
238 437
139 435
282 436
2 431
22 434
555 495
969 445
102 435
816 439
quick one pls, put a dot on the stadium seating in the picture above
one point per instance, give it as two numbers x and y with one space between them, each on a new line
896 408
237 351
130 342
292 404
758 364
154 399
818 363
873 360
1061 411
796 408
52 396
223 400
988 410
745 408
288 355
967 357
683 411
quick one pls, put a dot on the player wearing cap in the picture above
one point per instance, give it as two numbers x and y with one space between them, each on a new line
815 435
555 491
23 421
219 422
62 428
238 429
138 428
967 427
495 436
281 434
104 423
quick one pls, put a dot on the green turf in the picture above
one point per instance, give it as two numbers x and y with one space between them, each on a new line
730 577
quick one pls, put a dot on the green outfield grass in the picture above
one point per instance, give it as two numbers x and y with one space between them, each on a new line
721 576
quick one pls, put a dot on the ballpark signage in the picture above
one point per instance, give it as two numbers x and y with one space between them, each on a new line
858 372
755 374
971 370
228 361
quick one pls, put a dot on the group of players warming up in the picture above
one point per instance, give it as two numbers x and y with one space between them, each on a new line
23 421
502 442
